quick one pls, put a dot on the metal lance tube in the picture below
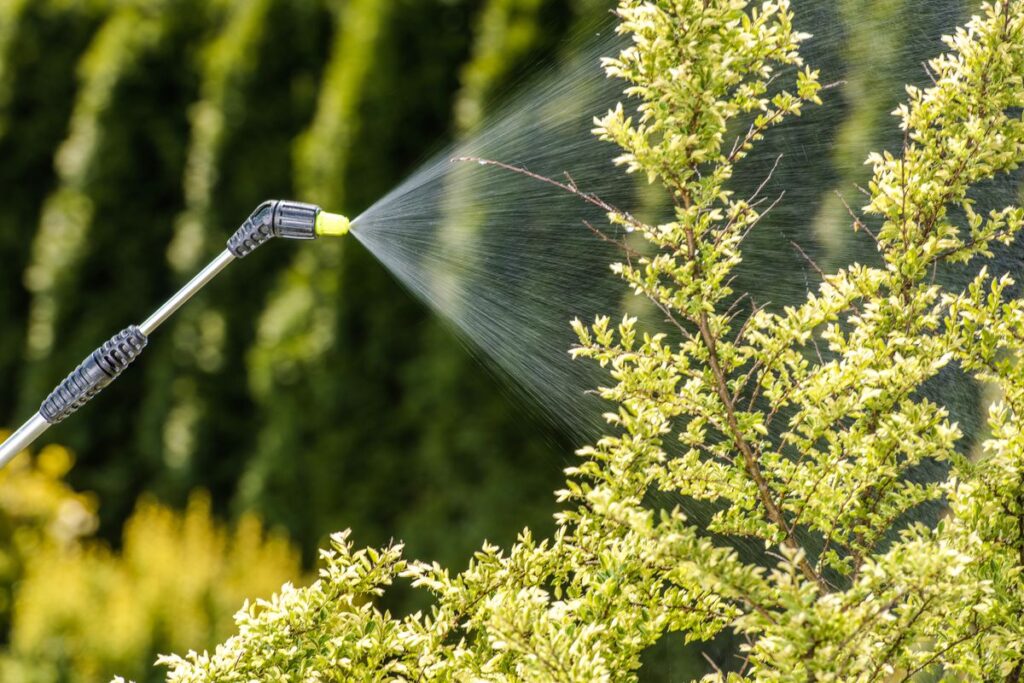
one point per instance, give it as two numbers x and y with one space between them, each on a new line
172 305
278 218
23 438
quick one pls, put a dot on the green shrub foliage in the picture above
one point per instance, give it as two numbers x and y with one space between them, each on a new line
800 425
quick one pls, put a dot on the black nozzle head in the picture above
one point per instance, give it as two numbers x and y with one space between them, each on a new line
275 218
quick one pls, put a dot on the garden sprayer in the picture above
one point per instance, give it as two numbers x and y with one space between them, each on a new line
279 218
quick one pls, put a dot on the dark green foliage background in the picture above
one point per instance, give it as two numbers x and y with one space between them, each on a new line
305 383
365 412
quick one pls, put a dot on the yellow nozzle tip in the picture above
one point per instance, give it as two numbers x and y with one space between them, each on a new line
332 224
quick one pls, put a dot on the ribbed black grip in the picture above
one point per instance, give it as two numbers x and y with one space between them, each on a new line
257 229
279 218
102 367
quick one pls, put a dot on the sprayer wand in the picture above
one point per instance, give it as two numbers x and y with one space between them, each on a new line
290 220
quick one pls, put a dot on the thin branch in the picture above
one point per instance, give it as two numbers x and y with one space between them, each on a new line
714 666
729 312
858 224
809 260
569 186
605 238
767 179
900 637
752 203
931 75
760 217
956 643
821 273
750 458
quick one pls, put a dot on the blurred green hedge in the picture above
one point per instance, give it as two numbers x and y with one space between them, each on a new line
305 384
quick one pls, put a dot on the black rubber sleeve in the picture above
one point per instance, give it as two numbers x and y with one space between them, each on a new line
257 229
102 367
276 218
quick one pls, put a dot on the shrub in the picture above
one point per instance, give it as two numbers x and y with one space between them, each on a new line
802 425
38 510
82 612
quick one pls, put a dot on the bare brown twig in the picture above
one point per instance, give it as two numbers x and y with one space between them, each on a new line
570 186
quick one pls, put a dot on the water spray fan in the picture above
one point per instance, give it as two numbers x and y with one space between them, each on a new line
277 218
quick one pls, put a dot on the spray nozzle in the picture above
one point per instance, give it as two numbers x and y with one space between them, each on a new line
287 219
332 224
